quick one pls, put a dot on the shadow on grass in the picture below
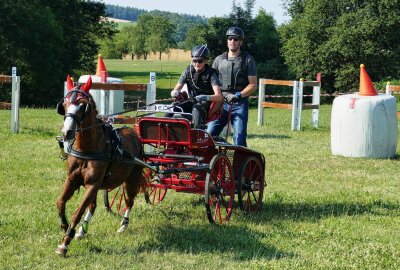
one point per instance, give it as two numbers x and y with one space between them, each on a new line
279 211
267 136
396 157
233 241
236 242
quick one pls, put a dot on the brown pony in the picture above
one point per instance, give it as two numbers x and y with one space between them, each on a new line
99 157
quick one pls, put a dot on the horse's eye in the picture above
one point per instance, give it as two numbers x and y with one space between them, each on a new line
82 107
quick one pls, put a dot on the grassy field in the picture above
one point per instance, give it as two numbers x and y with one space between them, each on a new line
320 211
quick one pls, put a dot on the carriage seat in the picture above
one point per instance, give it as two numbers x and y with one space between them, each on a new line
171 132
164 131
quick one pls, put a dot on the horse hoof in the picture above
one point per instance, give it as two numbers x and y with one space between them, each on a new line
61 250
122 228
80 234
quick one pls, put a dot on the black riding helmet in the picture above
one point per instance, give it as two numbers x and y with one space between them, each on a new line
201 51
235 31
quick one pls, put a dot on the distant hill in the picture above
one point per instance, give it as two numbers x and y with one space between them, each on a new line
117 20
182 21
131 14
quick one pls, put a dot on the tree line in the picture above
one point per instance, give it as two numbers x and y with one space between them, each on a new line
47 39
182 22
156 33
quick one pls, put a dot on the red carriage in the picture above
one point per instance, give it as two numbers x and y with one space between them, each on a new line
189 160
161 153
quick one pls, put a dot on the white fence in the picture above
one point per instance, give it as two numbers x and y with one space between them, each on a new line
297 104
15 97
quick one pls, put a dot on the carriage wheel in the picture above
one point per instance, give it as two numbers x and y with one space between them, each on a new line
219 190
114 200
153 195
251 185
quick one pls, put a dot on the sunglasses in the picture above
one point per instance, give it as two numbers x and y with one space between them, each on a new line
234 38
200 61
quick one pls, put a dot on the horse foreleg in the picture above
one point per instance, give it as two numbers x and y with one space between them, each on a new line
83 229
90 195
69 189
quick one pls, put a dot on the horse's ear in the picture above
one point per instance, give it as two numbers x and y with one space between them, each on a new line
70 83
87 85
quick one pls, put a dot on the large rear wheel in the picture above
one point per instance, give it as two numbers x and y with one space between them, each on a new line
250 185
219 190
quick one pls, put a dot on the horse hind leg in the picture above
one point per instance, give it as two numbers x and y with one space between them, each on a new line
125 220
83 229
129 200
134 183
90 195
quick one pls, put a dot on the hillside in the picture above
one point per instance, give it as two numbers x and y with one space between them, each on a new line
182 22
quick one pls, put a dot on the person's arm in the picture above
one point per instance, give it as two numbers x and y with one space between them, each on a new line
178 87
250 88
216 86
217 97
251 77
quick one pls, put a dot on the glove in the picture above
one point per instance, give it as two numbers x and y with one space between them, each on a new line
175 93
202 98
231 98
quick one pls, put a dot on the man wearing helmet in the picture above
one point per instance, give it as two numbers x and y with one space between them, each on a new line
238 75
203 86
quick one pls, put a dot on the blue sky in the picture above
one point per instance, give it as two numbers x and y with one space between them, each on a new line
206 8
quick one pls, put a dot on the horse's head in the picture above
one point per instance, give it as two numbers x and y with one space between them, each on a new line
75 107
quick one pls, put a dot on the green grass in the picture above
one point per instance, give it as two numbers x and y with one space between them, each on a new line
320 211
138 71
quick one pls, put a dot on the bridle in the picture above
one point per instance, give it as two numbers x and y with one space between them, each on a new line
73 97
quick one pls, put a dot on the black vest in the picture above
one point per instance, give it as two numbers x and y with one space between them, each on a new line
235 76
199 83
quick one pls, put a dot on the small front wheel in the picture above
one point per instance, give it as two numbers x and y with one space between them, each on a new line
219 193
114 200
153 194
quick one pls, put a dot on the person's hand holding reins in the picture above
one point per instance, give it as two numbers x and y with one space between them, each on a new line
175 93
231 98
202 98
179 96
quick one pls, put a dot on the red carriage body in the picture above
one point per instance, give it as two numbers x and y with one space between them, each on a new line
184 159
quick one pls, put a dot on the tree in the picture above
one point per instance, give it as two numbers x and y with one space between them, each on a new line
243 17
217 26
161 36
215 37
266 48
47 39
195 35
335 37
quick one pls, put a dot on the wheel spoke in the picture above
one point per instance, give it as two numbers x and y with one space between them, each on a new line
251 175
219 191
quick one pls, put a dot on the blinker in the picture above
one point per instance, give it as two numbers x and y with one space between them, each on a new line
60 108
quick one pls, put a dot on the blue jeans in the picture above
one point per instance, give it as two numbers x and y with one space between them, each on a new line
239 119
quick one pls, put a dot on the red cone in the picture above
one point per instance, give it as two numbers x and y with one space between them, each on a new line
100 66
366 86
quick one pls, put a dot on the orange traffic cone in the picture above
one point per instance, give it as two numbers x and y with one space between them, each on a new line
101 66
366 86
